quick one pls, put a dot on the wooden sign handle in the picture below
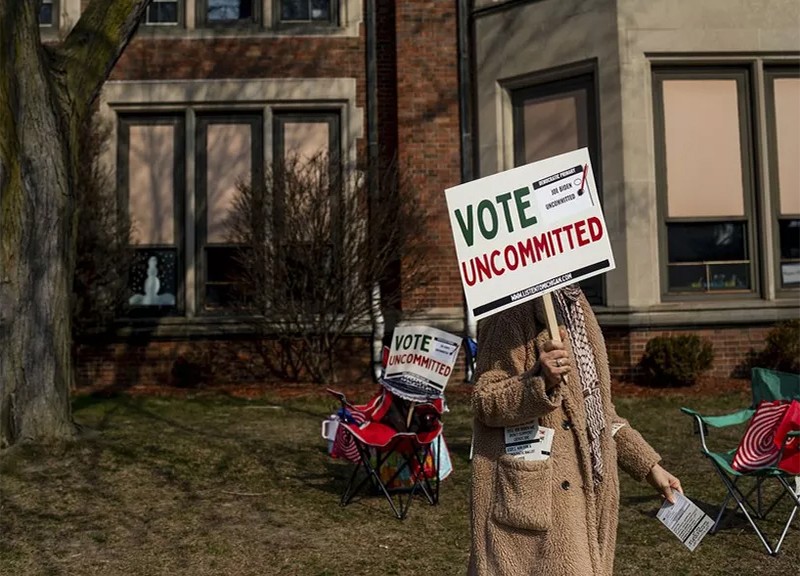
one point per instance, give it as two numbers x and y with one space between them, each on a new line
552 323
550 314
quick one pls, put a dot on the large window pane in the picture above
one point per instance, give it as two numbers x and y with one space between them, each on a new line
230 10
696 242
223 264
47 13
783 111
787 126
162 12
703 151
151 195
229 148
708 257
306 10
307 143
229 164
554 125
789 235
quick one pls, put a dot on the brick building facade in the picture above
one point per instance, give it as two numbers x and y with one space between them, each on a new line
261 75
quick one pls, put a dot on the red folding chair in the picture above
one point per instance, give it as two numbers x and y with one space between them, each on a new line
372 434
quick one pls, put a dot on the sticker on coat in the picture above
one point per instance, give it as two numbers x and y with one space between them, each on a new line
529 441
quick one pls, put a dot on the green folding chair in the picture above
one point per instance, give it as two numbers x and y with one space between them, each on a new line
766 385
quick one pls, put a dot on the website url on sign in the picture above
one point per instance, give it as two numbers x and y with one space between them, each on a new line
540 287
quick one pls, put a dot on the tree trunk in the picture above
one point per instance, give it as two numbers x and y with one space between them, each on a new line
45 94
37 175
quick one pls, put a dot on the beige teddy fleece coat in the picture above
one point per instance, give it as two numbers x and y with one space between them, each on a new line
543 517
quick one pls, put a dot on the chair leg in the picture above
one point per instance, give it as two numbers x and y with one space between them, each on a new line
722 510
741 501
795 495
370 474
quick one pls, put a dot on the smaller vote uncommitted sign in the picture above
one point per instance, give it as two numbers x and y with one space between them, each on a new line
425 353
527 231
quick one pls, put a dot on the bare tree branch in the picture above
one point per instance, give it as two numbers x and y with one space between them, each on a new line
314 248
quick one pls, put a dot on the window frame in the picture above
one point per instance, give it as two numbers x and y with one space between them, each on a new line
124 122
744 76
255 119
179 23
771 73
554 83
298 25
256 20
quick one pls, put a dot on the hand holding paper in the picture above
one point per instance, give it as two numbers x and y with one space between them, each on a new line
664 482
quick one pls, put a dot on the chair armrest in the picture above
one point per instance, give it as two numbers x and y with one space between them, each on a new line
724 420
702 421
338 395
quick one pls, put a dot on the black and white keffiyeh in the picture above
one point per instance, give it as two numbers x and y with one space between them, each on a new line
571 313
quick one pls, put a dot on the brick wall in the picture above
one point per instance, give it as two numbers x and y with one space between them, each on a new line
428 131
200 363
731 347
242 361
148 58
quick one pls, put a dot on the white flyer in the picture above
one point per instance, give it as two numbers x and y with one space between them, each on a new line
684 519
529 441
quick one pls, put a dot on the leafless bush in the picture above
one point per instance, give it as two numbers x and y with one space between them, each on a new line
314 248
103 238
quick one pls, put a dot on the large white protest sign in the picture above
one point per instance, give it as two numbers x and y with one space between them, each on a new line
527 231
420 361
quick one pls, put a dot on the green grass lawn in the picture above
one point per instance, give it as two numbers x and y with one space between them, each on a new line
222 486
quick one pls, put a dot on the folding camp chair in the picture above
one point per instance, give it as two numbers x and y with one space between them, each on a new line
766 385
378 433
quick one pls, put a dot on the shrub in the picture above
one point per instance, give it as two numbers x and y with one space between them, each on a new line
672 361
781 350
325 264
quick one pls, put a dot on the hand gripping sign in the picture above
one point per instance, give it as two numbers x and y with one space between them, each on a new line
525 232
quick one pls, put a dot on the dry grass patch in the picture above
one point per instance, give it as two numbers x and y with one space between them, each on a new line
225 486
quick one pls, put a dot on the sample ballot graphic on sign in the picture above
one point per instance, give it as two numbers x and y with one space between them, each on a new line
527 231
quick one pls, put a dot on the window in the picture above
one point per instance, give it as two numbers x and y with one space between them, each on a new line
187 260
48 13
554 117
783 125
150 161
306 220
306 11
162 13
227 12
705 180
229 153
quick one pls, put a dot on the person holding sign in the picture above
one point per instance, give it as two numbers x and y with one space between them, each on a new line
547 442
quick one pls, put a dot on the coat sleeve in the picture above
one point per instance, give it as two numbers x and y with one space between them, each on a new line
509 389
634 454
